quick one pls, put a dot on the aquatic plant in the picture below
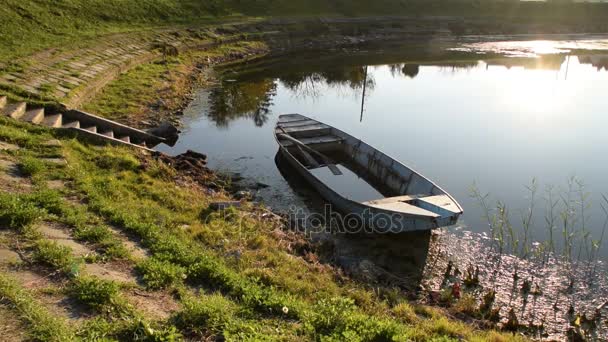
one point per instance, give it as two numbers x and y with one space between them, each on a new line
566 210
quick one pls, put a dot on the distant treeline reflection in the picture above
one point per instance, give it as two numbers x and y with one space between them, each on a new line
252 98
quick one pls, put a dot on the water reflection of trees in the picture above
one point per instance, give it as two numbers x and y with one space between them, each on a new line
253 99
309 84
244 99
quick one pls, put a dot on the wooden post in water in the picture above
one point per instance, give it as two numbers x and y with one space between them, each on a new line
363 97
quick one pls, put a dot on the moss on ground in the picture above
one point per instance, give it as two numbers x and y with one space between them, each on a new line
234 274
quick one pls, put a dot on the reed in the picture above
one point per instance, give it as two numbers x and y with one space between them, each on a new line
566 211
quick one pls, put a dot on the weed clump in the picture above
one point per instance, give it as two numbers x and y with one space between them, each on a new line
95 293
51 254
93 234
30 166
207 313
16 212
159 274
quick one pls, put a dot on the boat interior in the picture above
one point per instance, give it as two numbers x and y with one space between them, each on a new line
358 172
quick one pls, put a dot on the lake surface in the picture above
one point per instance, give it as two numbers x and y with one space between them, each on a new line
494 115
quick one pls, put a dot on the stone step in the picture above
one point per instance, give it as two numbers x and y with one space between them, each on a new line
53 120
125 139
72 124
91 129
119 130
34 116
15 110
2 101
100 137
109 133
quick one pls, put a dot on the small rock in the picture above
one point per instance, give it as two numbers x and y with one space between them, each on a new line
243 195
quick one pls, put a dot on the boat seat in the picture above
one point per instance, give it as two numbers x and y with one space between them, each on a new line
387 200
297 123
433 204
444 202
310 130
325 139
403 207
291 117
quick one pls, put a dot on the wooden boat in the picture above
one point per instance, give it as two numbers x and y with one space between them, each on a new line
365 185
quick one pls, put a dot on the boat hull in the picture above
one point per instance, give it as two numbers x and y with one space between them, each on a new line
356 217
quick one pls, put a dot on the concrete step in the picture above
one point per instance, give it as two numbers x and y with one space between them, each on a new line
119 130
105 138
91 128
125 139
109 133
72 124
34 116
15 110
53 120
2 101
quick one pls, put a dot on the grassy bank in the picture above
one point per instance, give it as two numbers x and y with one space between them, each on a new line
154 92
30 26
235 274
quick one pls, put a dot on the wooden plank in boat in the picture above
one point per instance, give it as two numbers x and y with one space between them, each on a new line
442 201
405 208
296 123
392 199
311 127
292 117
325 139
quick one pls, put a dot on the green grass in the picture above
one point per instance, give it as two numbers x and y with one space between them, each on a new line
96 293
28 26
30 166
16 212
158 274
51 254
206 314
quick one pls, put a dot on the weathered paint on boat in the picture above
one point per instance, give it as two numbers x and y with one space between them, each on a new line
419 205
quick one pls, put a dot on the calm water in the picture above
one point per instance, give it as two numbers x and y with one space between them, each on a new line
494 123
